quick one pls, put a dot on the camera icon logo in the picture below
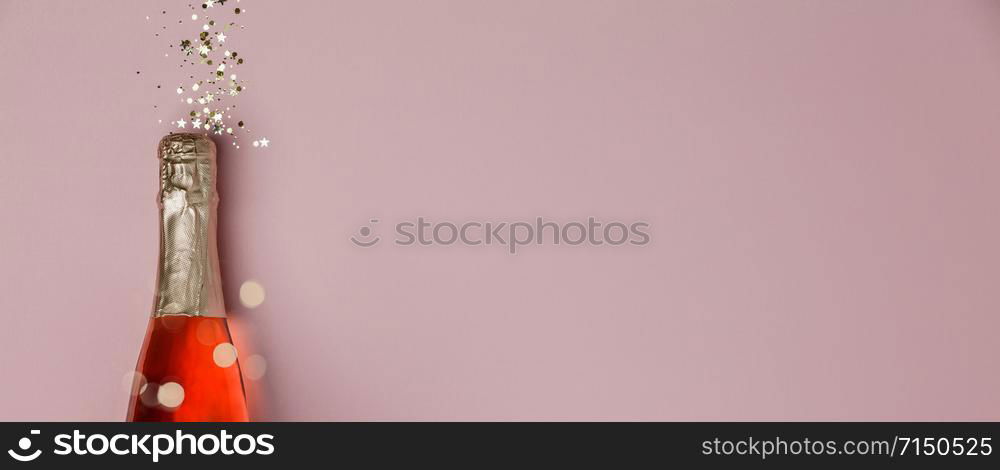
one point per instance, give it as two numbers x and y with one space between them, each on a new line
25 444
367 237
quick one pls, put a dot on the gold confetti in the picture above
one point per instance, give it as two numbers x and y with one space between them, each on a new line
205 53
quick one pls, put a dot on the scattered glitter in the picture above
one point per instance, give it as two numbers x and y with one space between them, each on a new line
203 48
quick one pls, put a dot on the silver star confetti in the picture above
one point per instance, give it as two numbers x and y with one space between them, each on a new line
202 53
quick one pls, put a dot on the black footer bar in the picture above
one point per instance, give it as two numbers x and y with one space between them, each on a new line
471 445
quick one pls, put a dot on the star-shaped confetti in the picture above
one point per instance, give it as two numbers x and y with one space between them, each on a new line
214 84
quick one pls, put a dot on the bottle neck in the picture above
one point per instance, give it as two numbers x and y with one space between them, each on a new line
188 280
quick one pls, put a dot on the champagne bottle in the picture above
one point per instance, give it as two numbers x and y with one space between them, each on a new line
187 369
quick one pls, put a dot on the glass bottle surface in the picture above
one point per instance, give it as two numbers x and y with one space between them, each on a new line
187 369
195 356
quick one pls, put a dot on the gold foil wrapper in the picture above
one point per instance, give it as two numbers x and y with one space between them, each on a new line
188 281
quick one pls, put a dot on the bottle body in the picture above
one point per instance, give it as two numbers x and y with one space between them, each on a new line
189 372
187 368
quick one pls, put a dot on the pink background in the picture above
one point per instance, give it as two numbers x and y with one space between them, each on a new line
822 180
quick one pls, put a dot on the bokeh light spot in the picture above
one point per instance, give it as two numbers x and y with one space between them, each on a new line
170 394
255 367
134 383
224 355
208 333
148 394
251 294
